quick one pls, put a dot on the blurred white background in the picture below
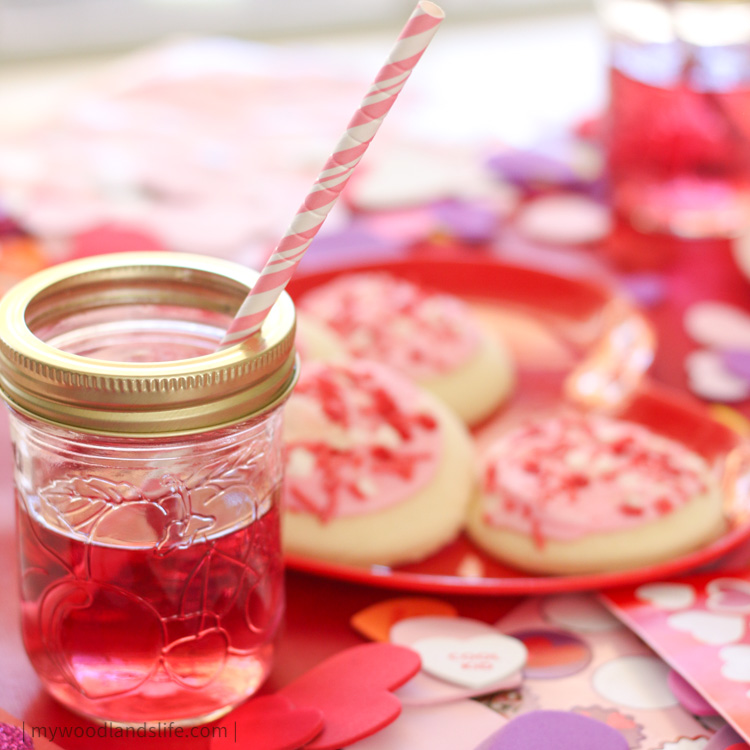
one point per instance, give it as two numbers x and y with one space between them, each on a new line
500 72
38 28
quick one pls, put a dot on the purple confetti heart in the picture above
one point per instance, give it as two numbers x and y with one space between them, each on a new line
527 168
13 738
556 162
466 220
647 289
690 699
737 361
542 730
354 244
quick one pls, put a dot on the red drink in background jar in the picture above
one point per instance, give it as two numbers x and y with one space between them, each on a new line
678 125
148 468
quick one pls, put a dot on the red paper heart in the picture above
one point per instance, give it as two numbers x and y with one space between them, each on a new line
270 722
352 690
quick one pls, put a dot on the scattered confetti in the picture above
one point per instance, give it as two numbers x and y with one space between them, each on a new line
718 325
708 378
646 289
564 219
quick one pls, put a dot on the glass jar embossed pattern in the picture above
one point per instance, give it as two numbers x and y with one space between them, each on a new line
148 469
151 592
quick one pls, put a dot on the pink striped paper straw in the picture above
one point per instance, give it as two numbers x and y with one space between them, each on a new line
414 38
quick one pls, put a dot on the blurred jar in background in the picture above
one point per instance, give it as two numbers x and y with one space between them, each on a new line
678 123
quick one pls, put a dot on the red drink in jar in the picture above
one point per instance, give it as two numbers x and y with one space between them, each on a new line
678 126
148 469
116 630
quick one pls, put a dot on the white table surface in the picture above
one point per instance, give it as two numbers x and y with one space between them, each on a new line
513 80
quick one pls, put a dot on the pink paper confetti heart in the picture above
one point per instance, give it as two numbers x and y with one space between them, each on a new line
709 628
667 596
690 699
352 689
270 722
728 595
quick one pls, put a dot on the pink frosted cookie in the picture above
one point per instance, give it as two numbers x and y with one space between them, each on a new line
431 338
377 471
578 494
315 340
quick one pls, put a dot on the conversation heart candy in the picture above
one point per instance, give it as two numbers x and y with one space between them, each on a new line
728 595
472 662
434 684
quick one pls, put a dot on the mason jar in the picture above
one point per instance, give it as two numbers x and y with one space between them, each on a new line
148 466
677 128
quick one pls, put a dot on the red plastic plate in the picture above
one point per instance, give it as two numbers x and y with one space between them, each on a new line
573 340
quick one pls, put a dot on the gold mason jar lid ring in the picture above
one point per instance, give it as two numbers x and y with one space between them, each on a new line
137 398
